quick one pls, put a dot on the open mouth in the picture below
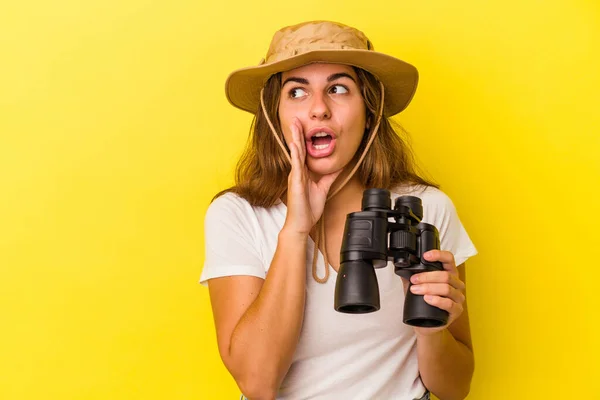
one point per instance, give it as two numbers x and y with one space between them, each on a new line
321 140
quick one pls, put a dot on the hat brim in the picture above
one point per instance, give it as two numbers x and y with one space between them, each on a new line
399 78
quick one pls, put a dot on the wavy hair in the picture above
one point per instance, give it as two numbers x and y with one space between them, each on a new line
261 174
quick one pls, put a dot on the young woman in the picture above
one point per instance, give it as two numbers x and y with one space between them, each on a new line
321 136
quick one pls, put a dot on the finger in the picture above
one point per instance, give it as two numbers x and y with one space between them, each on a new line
444 303
299 139
438 277
445 257
294 142
439 289
294 130
293 156
296 172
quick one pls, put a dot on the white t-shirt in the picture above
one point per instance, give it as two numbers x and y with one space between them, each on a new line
339 356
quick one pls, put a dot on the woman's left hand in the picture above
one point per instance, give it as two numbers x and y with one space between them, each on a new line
442 289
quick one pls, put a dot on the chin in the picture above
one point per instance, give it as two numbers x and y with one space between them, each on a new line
324 166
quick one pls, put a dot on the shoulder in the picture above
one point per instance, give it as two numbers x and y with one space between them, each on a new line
234 211
227 214
232 202
227 204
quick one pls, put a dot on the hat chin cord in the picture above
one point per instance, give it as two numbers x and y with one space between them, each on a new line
320 232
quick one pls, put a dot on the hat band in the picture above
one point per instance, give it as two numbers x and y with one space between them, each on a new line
291 52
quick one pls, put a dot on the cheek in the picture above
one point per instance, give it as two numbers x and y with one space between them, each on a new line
357 127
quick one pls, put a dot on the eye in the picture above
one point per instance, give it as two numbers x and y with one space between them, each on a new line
339 89
296 93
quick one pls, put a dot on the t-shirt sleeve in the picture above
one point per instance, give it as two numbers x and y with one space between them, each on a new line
439 210
229 240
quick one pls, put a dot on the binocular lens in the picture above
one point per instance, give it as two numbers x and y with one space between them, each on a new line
376 199
412 202
417 312
356 288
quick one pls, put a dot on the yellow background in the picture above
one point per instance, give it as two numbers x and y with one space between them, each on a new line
115 133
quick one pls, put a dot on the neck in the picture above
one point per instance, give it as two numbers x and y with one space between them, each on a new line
350 191
347 199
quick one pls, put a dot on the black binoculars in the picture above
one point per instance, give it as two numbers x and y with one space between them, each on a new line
365 247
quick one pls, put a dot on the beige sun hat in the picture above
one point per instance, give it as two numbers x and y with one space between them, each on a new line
323 41
331 42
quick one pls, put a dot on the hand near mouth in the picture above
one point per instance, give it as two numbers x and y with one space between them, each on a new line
305 197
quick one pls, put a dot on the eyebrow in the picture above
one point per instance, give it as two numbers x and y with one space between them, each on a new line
330 78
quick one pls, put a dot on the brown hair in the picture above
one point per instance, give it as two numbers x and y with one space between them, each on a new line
261 175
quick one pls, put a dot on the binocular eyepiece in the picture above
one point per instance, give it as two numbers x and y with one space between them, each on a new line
365 247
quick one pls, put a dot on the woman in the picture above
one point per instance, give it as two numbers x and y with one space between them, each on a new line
320 137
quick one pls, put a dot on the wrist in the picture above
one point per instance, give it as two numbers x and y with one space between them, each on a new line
293 236
430 333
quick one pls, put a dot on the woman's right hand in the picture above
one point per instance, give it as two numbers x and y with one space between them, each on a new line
305 197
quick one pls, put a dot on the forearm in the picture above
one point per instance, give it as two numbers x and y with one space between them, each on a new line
264 340
445 364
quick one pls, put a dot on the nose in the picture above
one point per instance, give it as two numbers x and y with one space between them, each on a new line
318 108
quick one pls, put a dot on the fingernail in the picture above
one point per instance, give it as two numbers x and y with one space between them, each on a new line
416 289
414 279
428 255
